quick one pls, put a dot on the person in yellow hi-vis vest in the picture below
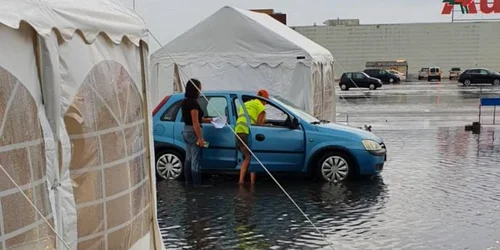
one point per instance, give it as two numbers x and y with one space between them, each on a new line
257 113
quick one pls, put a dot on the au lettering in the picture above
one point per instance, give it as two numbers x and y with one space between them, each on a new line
484 6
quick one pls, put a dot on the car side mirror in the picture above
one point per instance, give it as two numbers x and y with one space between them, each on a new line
295 123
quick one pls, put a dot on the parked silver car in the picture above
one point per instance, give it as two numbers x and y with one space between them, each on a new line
423 73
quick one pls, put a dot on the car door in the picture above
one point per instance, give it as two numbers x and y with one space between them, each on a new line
221 151
485 76
279 147
361 80
349 80
383 75
474 76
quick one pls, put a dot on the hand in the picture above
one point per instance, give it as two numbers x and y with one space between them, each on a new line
200 142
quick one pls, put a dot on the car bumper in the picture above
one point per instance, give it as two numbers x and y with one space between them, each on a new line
370 163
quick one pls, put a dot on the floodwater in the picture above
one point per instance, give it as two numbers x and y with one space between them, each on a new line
440 188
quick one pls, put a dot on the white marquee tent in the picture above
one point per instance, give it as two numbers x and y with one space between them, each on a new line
236 49
75 127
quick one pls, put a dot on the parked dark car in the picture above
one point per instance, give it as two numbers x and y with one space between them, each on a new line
384 75
479 76
358 80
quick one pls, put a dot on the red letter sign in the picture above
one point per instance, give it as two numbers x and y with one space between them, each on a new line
487 9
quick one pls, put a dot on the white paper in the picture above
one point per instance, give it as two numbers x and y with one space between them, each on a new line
219 122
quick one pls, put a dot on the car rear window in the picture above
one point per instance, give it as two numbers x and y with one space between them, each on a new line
171 112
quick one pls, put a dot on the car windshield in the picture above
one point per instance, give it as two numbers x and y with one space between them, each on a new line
296 111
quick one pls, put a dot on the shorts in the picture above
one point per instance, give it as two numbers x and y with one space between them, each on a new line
244 138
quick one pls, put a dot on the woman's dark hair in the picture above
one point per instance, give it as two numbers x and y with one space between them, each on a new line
192 91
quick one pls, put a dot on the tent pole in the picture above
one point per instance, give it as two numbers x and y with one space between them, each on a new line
157 240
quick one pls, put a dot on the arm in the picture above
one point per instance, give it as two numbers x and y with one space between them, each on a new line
262 118
206 119
196 126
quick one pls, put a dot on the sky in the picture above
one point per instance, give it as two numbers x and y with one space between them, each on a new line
168 19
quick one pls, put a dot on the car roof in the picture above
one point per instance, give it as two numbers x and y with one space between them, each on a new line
477 69
223 92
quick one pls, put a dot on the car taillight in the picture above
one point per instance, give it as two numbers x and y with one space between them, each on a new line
158 107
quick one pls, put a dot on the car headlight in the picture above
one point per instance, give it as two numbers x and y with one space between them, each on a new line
371 145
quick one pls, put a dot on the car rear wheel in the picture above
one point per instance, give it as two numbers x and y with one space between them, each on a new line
334 167
496 82
391 80
372 86
169 165
467 82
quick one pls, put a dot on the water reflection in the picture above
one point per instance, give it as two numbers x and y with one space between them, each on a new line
242 217
440 187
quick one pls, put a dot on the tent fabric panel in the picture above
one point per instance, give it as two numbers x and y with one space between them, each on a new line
291 84
26 147
255 38
91 18
315 51
235 59
127 54
105 123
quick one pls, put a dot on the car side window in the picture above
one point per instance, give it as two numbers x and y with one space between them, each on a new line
349 75
171 113
215 106
474 71
484 72
359 76
274 115
218 104
382 72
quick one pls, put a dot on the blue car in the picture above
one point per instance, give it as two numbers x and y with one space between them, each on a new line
291 142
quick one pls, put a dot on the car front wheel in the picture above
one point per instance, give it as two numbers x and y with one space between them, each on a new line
496 82
344 87
391 80
334 167
467 82
169 165
372 86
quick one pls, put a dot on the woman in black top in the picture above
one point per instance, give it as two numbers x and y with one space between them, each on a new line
193 117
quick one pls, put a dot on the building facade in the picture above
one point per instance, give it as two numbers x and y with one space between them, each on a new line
445 45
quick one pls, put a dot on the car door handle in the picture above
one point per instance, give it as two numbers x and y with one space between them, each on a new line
260 137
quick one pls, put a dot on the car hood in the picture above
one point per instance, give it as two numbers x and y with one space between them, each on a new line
348 131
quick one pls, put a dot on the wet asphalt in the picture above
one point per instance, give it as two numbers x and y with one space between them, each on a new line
440 188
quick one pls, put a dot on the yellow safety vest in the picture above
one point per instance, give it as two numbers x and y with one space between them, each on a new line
254 108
